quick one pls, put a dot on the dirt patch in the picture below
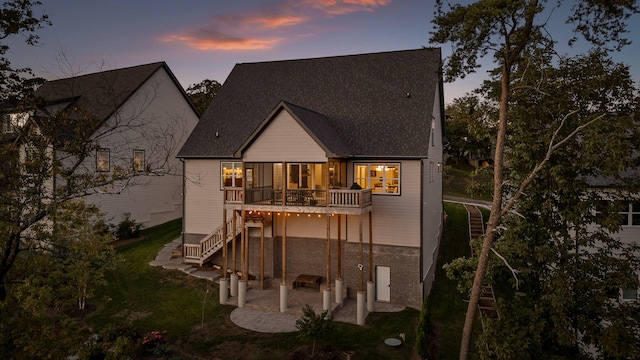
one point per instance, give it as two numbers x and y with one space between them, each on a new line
76 313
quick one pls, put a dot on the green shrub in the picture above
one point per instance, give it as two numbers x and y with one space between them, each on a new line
128 228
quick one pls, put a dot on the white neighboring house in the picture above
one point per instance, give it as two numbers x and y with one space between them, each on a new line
137 118
277 152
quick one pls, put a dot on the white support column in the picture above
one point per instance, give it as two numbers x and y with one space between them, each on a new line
234 284
326 301
283 298
339 285
360 310
371 296
224 291
242 293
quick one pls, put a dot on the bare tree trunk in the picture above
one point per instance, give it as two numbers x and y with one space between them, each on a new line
494 219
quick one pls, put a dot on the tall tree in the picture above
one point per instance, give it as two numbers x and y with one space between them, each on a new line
562 241
202 93
17 17
507 30
470 128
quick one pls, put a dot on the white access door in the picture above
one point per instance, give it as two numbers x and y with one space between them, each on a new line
383 283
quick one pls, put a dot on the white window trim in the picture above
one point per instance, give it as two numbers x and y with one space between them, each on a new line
384 178
108 160
234 165
143 165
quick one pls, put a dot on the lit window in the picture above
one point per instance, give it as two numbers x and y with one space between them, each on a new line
138 160
381 178
231 174
103 160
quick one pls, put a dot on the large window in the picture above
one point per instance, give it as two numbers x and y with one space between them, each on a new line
306 176
231 173
381 178
103 160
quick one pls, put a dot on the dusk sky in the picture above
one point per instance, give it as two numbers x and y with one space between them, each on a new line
203 39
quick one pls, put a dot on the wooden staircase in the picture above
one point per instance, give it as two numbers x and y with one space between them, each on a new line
487 303
210 244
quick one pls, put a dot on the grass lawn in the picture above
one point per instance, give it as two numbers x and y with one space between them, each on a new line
150 298
448 305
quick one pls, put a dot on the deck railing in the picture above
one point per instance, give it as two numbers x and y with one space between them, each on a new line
268 196
210 244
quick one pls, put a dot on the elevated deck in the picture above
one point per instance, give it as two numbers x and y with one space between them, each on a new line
336 201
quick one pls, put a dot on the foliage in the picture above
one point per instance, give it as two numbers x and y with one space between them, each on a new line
155 343
202 93
127 228
50 160
563 240
60 272
312 326
514 33
479 184
470 126
18 18
422 330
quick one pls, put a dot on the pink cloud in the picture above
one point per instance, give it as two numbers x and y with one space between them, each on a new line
261 30
342 7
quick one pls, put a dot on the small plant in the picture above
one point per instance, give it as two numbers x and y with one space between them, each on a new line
127 228
155 343
313 326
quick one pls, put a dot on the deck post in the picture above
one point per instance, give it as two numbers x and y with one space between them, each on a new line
262 257
361 256
283 285
233 243
328 251
371 296
370 247
339 247
242 245
224 243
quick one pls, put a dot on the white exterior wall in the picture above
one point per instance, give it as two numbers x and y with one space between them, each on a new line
630 234
432 209
396 218
156 119
284 140
203 197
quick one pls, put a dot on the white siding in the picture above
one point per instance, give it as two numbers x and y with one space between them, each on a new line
396 219
203 197
156 119
432 210
284 140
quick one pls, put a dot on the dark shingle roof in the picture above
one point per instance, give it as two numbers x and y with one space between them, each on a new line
95 97
379 104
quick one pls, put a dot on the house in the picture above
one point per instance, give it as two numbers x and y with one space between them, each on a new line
132 122
333 167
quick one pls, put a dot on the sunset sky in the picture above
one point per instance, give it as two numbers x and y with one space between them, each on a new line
203 39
